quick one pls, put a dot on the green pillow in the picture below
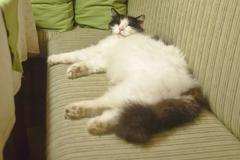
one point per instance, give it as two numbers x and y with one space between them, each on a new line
50 1
97 13
53 15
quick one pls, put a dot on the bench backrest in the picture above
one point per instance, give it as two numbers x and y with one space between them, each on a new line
208 32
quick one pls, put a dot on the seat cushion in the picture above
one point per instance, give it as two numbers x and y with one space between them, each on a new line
205 138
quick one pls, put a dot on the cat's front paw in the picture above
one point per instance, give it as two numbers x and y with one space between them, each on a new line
77 70
53 59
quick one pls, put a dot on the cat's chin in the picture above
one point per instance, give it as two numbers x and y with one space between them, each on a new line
121 35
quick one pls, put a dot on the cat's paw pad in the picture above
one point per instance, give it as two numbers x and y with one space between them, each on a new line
77 70
97 127
77 110
72 111
53 59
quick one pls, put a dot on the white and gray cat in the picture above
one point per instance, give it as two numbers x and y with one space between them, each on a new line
151 89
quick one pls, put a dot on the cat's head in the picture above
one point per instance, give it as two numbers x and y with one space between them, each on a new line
125 25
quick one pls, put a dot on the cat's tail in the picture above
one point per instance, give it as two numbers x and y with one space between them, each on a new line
138 122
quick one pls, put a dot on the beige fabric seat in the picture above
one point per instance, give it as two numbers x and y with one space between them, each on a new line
206 138
208 32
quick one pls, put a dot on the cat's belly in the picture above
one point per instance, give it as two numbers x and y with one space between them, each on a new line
151 82
122 66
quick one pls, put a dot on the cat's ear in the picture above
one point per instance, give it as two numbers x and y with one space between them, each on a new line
114 12
141 18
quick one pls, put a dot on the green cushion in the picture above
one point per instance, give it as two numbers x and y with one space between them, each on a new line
49 2
97 13
53 16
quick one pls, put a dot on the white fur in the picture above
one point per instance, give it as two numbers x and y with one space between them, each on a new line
140 69
104 123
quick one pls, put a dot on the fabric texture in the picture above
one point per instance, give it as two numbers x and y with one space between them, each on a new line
97 13
10 12
7 114
53 15
22 33
205 138
22 30
208 32
28 38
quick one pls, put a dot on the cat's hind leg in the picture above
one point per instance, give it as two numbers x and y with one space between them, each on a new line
105 123
116 97
83 109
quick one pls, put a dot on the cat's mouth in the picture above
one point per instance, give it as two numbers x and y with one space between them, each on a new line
121 34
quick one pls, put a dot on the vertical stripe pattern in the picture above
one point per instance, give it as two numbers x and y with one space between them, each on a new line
208 32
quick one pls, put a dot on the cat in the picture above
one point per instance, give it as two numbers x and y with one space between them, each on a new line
151 87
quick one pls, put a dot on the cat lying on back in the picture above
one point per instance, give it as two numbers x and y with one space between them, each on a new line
151 90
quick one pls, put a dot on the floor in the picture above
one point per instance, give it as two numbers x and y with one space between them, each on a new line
29 143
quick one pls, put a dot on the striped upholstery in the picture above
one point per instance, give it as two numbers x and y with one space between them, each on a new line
208 31
206 138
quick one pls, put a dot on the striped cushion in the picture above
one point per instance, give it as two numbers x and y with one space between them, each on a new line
206 138
208 32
